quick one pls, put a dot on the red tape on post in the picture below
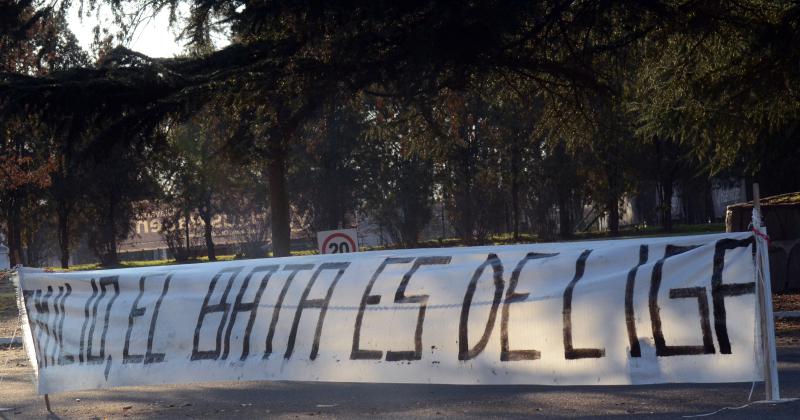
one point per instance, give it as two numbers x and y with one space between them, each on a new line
762 235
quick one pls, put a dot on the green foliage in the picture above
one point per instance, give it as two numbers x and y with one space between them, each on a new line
32 42
326 169
396 180
514 116
725 83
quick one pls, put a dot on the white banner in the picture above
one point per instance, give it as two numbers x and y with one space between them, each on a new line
636 311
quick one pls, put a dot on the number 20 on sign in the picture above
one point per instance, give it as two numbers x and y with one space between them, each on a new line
337 241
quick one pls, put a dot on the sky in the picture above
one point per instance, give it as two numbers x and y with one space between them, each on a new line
153 38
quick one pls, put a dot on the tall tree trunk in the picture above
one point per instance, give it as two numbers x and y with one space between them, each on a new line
666 170
9 232
14 228
111 257
708 194
31 253
441 214
467 222
281 136
564 218
466 206
564 185
515 192
187 220
279 200
409 227
63 232
614 178
212 255
613 214
666 205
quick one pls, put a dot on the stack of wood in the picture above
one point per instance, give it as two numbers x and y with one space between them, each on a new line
782 216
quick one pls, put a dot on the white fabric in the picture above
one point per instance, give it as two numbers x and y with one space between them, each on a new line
566 321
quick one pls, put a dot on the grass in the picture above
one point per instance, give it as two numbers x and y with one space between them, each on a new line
527 238
677 230
499 239
134 264
156 263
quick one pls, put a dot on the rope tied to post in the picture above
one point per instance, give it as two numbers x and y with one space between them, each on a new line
761 234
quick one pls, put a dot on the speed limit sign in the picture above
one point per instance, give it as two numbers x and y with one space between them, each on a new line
337 241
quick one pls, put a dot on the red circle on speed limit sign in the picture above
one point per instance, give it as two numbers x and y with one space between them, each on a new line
338 243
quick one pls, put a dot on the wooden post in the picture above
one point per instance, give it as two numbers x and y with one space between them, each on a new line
764 287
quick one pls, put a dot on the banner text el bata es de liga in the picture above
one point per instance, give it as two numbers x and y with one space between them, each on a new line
636 311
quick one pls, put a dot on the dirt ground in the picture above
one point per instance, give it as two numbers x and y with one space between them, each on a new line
786 302
8 315
348 400
787 330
